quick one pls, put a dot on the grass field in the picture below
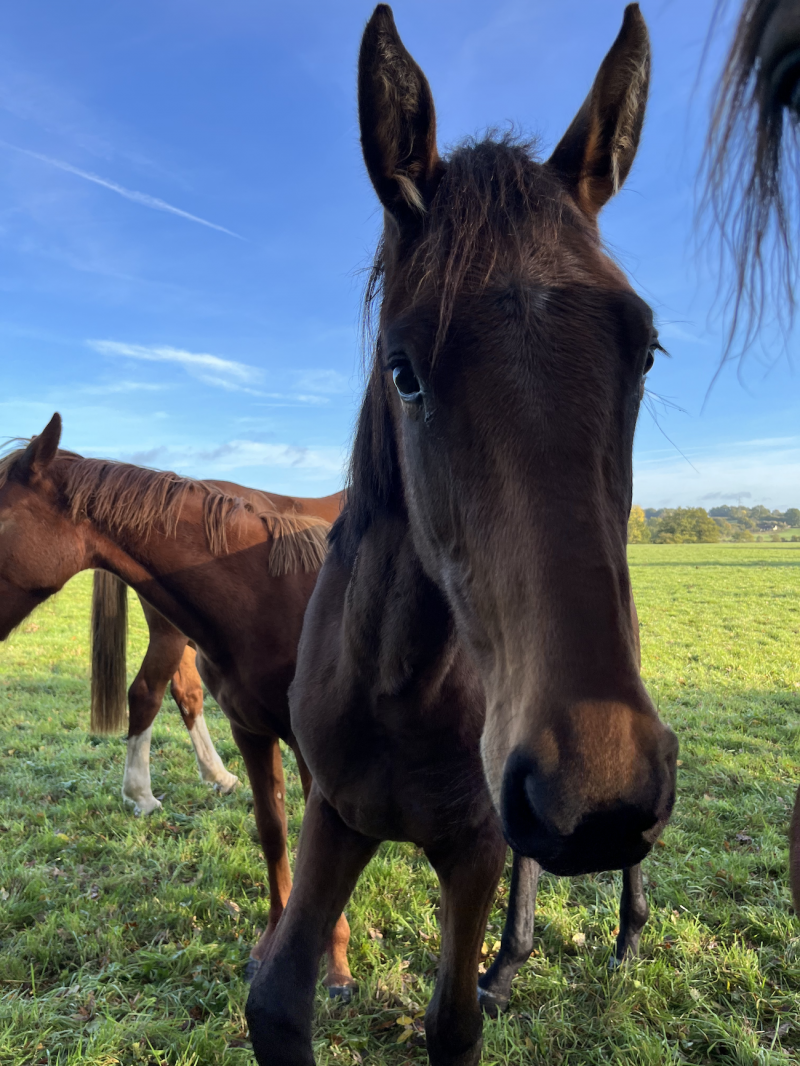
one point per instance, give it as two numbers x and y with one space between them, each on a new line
122 940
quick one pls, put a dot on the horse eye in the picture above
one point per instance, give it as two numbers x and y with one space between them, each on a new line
648 363
406 383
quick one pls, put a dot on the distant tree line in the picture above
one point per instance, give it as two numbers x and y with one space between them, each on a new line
695 525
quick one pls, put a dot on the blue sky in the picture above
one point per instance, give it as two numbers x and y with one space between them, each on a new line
184 218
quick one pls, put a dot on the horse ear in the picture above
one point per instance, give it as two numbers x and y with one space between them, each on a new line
596 153
41 451
397 119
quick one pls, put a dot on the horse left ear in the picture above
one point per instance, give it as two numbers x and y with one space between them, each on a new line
41 451
397 120
596 153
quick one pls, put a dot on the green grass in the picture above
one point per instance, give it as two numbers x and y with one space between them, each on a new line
117 945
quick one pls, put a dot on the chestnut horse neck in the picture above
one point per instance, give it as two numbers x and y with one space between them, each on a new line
131 502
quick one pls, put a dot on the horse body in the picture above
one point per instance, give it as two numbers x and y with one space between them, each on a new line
234 575
466 627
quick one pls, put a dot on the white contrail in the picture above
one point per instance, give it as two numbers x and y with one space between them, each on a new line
130 194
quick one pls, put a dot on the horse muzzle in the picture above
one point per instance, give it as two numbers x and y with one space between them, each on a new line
576 835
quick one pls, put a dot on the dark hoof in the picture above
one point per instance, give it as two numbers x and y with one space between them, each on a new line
342 992
490 1003
251 969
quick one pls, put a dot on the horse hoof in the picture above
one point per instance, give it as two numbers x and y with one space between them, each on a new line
145 807
490 1003
227 786
251 969
342 992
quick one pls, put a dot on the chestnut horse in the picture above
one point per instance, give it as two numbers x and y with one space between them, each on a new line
168 661
471 624
234 574
754 180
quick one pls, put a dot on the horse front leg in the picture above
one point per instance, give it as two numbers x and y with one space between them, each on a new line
468 874
494 987
187 691
633 913
338 978
262 757
330 858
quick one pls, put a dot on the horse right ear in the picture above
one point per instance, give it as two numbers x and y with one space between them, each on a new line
398 121
596 153
41 451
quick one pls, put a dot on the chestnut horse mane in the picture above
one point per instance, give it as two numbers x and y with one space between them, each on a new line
493 197
126 499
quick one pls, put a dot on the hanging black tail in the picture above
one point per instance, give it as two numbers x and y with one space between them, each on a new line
109 641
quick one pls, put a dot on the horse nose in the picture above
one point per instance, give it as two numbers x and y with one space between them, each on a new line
570 836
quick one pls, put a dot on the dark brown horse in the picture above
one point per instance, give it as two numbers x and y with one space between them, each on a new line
754 191
472 622
233 573
170 661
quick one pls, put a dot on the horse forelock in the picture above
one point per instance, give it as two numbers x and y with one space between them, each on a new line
497 209
124 499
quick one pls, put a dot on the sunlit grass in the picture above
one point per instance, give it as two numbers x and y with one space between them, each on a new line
117 944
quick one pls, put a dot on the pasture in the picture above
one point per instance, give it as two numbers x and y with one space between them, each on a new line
123 941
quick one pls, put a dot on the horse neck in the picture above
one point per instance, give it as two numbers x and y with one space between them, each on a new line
400 630
176 574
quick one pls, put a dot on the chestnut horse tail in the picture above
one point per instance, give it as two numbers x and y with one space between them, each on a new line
794 854
109 640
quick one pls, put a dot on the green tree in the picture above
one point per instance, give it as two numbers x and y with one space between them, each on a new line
686 525
638 533
792 517
743 535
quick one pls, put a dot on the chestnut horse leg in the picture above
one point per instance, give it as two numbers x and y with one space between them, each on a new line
161 660
280 1006
494 987
187 691
262 757
468 874
269 801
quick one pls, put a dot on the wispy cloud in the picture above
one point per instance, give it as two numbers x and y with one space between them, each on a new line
121 386
763 470
222 373
322 381
142 198
244 454
210 369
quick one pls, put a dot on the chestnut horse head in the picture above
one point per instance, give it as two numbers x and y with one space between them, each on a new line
40 550
499 415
